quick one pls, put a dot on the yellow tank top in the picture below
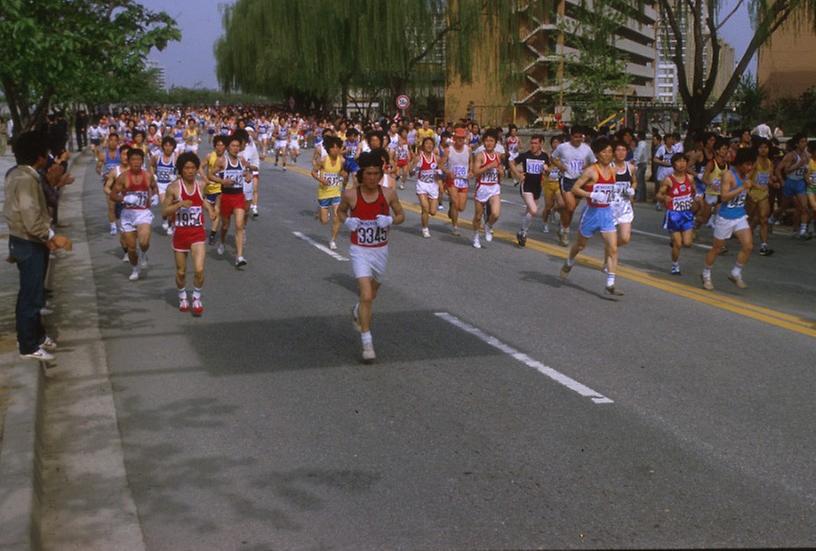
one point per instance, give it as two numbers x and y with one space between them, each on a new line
716 179
811 176
212 187
331 172
762 172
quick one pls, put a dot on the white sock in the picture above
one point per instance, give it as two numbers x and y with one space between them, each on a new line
610 279
675 264
802 228
182 294
526 220
366 338
707 272
736 271
196 293
570 262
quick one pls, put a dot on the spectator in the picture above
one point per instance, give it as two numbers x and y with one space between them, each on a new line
763 131
30 240
641 158
81 128
3 136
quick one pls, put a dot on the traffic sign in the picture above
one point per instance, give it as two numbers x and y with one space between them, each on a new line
403 102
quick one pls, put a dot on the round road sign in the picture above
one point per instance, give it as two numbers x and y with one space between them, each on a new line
403 102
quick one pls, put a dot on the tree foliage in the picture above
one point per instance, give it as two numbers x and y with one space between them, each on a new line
317 50
749 98
706 19
74 50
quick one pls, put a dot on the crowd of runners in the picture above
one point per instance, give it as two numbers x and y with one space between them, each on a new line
147 160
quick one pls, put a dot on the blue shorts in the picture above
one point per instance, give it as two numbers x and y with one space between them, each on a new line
792 188
595 220
211 197
351 166
328 202
699 185
679 221
567 184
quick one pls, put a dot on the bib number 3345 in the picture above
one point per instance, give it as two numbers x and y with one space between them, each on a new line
369 234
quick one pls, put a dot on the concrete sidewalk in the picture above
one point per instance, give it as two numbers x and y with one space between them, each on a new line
67 487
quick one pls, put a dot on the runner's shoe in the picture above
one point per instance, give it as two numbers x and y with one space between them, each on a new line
220 249
134 275
565 270
184 305
738 281
488 233
211 239
546 228
240 262
113 229
143 261
477 243
707 285
455 231
765 251
125 257
521 237
426 233
170 230
254 209
675 270
610 290
368 353
198 308
333 245
165 225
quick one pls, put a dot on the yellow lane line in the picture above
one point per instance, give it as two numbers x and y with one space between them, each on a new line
711 298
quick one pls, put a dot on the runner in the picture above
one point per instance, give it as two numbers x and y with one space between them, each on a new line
184 201
571 158
488 170
252 159
552 190
213 190
191 137
164 169
457 166
528 168
712 178
811 184
401 157
625 187
330 177
597 185
115 207
231 171
426 166
662 162
368 211
677 193
95 135
733 220
512 146
792 170
107 160
758 205
136 189
351 150
282 141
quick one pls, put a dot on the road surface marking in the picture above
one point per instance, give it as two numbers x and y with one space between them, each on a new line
325 249
776 318
556 376
667 238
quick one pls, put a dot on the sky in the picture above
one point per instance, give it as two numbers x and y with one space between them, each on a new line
191 61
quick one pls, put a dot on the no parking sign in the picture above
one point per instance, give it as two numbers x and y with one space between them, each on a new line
403 102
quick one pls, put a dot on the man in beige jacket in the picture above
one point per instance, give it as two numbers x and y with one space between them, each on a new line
30 241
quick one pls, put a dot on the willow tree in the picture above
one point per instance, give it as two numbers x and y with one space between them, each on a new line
693 27
315 50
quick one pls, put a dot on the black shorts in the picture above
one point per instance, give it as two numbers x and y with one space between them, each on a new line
95 141
530 187
567 184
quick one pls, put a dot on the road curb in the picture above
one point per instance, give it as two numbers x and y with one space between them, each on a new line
20 459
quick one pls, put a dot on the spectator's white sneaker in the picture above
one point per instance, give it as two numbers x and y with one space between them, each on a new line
39 354
48 344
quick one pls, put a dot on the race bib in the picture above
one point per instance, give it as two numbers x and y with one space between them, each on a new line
533 166
427 176
189 217
554 175
333 180
606 189
682 203
763 178
715 185
135 200
737 202
368 234
576 166
491 176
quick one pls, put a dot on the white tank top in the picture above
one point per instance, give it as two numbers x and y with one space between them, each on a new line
458 164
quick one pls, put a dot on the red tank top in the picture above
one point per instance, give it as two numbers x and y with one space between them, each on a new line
605 184
139 191
489 177
192 216
368 234
427 168
681 195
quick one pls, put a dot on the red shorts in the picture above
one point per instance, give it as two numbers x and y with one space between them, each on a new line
185 238
402 162
230 202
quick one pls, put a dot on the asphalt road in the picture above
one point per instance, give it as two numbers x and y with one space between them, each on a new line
507 410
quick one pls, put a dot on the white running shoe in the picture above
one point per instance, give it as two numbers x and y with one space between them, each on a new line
220 249
546 228
333 245
134 275
143 261
240 262
40 354
477 243
488 233
426 232
165 225
48 344
125 257
170 230
368 353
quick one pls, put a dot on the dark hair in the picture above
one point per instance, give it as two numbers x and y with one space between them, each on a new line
331 141
576 130
29 146
600 144
369 159
720 143
241 135
375 133
138 132
124 147
511 127
169 140
796 137
745 155
677 156
352 132
187 157
135 152
113 135
491 133
219 139
538 137
426 138
616 143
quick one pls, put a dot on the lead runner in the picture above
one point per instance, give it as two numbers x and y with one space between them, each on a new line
366 210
